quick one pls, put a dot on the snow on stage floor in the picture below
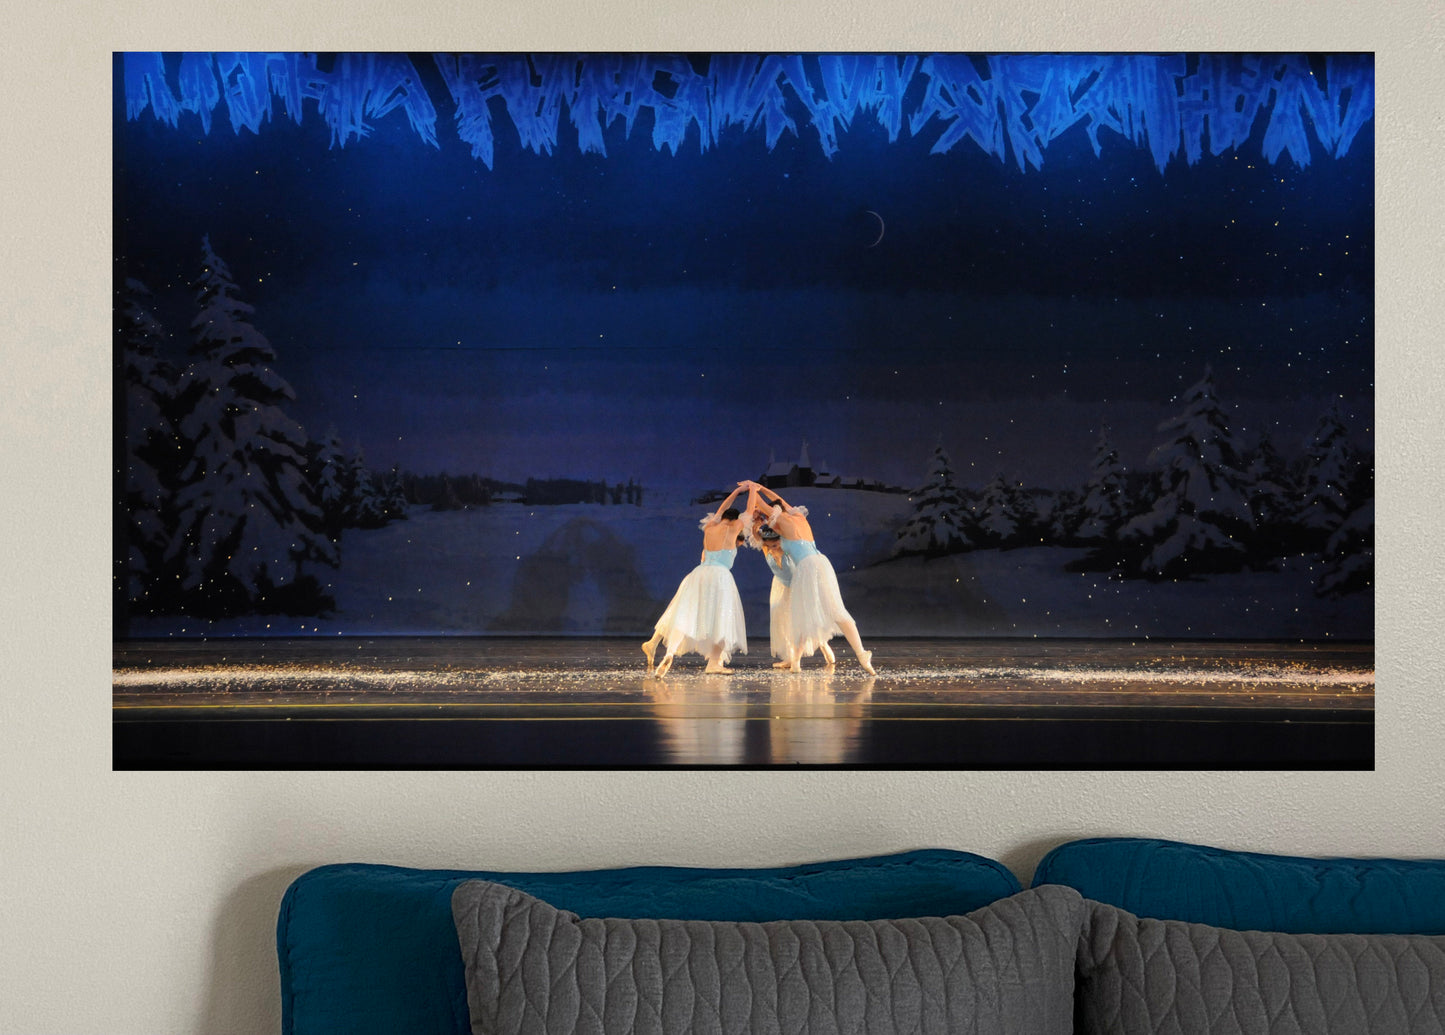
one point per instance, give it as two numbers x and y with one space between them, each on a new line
757 716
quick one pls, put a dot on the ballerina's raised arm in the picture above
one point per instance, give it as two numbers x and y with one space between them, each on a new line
792 523
753 506
712 539
717 514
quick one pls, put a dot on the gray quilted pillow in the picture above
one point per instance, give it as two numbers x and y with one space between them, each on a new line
1140 976
533 969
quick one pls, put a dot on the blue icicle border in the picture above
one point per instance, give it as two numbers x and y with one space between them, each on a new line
1009 105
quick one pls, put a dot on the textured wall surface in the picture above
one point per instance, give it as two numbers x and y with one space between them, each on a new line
135 902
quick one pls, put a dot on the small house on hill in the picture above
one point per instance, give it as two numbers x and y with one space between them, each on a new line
782 474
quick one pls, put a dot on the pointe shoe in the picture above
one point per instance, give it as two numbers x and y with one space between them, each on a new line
866 660
782 664
663 666
721 670
650 649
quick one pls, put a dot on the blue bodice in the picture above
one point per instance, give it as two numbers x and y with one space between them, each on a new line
782 569
796 549
721 558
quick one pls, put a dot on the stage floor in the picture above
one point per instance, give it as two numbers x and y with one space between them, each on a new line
582 702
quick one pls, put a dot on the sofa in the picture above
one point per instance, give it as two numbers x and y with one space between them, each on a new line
1113 935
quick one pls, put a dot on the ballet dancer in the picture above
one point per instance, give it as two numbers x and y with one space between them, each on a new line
706 614
815 605
769 543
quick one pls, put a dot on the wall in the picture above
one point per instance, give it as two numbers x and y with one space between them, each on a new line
135 902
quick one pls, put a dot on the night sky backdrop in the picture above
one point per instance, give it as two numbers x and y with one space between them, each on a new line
674 317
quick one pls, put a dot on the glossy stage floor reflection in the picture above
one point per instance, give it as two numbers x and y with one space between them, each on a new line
483 702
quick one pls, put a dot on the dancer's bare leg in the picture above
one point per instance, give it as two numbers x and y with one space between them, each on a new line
865 657
828 655
664 665
650 649
714 663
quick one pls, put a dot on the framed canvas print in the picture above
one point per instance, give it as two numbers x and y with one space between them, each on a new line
933 410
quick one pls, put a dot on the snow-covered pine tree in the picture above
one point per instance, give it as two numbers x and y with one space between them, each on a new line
1105 503
1331 467
1349 555
1026 511
151 448
1005 513
1200 521
328 472
1065 517
248 520
394 496
367 508
349 493
940 522
1274 502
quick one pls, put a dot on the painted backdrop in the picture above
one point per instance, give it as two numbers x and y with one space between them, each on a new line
1057 345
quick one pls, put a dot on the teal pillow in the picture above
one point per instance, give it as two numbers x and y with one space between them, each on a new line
1246 891
366 949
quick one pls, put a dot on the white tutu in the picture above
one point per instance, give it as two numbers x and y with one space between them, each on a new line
705 612
779 600
815 605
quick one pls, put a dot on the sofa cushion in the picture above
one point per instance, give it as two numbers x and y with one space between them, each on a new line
366 948
1139 976
534 969
1248 891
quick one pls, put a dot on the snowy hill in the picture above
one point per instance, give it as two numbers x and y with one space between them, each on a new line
588 569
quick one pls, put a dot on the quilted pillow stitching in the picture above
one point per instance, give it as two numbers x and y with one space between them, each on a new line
1139 975
532 969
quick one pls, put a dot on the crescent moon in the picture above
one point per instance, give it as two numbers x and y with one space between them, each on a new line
882 227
